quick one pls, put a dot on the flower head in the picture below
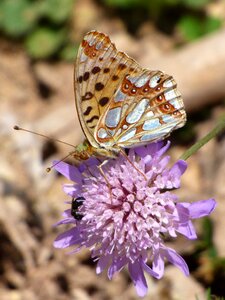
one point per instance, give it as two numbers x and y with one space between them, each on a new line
127 210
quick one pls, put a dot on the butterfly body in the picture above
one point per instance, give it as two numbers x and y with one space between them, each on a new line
120 104
85 150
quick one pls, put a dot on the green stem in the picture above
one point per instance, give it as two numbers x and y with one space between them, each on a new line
214 132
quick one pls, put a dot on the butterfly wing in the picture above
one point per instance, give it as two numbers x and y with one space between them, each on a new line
99 71
146 107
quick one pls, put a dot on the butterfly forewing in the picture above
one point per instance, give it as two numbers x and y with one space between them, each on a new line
119 103
99 71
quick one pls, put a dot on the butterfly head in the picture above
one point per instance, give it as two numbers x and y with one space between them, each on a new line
85 150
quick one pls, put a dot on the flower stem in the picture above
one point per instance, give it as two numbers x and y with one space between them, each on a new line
214 132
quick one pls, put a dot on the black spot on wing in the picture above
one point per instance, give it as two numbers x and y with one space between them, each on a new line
122 66
99 86
86 76
115 77
92 119
103 101
88 110
87 96
95 70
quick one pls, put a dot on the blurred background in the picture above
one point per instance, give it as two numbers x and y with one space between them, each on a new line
38 45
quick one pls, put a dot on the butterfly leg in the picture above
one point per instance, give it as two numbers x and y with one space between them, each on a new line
106 179
126 156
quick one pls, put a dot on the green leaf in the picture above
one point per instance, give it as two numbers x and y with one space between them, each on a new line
141 3
44 42
196 3
57 11
212 24
124 3
18 16
192 27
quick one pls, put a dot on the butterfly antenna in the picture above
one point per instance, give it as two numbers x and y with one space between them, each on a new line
106 179
16 127
55 164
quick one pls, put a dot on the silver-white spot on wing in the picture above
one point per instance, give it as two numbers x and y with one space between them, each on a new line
137 112
127 135
169 95
154 80
151 124
102 133
149 114
142 81
99 45
119 96
113 117
177 103
132 79
168 83
149 136
168 118
158 133
83 57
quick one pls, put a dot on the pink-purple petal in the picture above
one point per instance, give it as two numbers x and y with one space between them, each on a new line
187 230
70 172
72 190
174 258
178 168
65 221
103 262
116 266
68 238
138 278
201 208
162 149
149 270
158 265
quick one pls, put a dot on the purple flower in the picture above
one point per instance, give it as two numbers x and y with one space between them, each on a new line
127 211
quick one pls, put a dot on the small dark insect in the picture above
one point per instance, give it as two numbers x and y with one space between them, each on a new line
76 203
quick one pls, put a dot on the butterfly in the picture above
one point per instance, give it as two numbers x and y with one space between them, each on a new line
119 103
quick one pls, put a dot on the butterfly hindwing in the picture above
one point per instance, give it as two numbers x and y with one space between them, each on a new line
146 107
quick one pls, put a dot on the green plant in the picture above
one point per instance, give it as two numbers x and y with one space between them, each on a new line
41 24
192 27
